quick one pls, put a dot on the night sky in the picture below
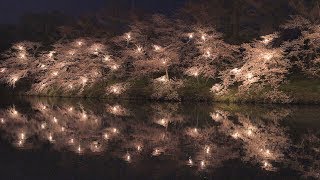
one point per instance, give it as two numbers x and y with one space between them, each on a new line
12 10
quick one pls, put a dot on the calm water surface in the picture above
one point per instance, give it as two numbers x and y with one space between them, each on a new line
45 138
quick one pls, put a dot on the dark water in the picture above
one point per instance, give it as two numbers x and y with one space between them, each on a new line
90 139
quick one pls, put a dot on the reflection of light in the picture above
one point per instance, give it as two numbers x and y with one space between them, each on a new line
139 148
79 149
62 129
249 132
3 70
2 120
71 141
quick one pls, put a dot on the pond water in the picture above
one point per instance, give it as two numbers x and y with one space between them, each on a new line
98 139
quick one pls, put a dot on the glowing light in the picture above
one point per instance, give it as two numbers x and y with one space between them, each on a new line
163 122
2 121
164 62
70 109
249 75
71 141
72 52
20 47
79 149
106 136
70 86
202 164
115 90
55 73
267 56
128 36
203 37
195 130
14 112
84 80
50 55
22 136
14 79
207 54
216 88
190 162
80 43
128 158
191 35
107 58
22 55
139 148
114 67
156 152
115 130
157 47
235 135
84 116
50 138
55 120
235 71
43 125
42 66
139 49
62 129
208 150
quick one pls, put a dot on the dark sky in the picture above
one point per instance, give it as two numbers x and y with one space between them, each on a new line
12 10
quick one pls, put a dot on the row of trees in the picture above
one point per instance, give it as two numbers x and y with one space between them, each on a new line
167 51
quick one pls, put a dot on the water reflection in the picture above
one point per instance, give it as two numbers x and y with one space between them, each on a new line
203 137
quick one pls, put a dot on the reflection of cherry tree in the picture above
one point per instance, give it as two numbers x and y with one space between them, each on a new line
305 158
263 142
257 138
